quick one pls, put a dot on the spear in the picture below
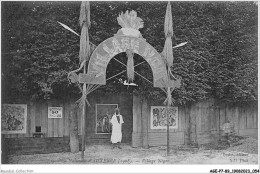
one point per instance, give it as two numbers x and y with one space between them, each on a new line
92 46
68 28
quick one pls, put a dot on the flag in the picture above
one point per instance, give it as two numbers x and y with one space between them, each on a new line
130 65
167 50
168 31
168 28
84 21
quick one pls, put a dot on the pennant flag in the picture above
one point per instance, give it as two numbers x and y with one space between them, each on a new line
130 65
168 27
168 31
84 14
84 21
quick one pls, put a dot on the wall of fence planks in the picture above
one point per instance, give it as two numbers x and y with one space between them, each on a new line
37 115
199 122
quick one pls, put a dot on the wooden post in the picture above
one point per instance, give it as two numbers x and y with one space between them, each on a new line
73 125
168 131
144 123
83 119
187 140
84 54
137 122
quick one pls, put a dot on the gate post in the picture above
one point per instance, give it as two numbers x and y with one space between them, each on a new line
145 115
137 139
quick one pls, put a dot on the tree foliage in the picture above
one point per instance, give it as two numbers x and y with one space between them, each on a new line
220 59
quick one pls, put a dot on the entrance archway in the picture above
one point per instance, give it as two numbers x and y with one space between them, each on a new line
131 114
109 48
128 39
113 46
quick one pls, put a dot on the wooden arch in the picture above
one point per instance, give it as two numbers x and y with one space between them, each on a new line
112 46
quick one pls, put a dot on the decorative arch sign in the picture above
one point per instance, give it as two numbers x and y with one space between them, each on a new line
109 48
128 37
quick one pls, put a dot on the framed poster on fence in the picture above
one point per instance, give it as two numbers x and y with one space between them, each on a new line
54 112
104 113
13 118
158 117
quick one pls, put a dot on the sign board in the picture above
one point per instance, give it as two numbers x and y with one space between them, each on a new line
54 112
120 43
158 117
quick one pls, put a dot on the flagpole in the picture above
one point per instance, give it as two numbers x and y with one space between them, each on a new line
168 56
168 129
84 54
83 120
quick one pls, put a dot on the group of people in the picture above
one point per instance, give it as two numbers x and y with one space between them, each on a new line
104 125
112 123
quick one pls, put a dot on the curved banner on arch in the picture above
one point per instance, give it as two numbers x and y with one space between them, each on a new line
109 48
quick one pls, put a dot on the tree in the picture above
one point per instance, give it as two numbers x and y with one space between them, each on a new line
40 52
235 49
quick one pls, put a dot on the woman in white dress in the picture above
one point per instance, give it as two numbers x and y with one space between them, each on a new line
116 121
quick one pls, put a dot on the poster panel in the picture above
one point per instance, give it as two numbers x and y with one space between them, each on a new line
54 112
104 113
158 117
13 118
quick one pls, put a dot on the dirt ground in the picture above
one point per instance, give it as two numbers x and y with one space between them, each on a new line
244 152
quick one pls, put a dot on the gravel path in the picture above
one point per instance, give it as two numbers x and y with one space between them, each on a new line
245 153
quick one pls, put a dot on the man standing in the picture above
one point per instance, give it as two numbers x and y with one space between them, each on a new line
116 121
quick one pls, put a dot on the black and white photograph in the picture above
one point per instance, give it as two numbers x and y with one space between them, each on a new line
150 86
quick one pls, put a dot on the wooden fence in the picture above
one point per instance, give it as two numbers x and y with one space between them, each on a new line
199 122
208 117
37 115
